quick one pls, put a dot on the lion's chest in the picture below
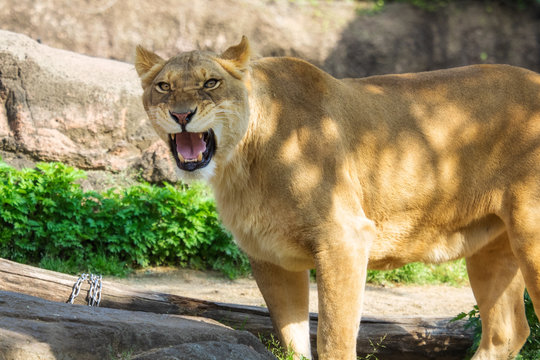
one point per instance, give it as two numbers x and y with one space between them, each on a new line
263 231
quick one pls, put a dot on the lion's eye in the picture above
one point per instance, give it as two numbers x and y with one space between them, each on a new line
163 87
211 84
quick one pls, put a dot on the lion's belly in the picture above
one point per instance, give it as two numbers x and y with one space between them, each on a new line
393 249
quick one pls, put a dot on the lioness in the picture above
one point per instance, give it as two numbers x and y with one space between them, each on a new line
344 175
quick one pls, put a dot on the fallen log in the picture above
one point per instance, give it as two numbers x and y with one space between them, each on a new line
399 337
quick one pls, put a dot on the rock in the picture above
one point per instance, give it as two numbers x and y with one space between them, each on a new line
56 105
405 39
112 28
33 328
341 36
209 350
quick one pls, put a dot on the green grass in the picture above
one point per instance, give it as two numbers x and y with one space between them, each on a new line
274 346
451 273
122 355
93 263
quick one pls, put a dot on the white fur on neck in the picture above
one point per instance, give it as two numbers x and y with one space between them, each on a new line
203 174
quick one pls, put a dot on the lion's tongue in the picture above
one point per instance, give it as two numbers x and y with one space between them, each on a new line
190 145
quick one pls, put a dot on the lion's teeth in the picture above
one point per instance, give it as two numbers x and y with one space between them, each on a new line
200 135
199 158
181 158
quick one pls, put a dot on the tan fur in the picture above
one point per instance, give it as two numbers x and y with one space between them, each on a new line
342 175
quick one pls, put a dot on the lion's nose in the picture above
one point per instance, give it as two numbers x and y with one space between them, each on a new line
183 118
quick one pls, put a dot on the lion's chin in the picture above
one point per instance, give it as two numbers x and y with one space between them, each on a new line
203 174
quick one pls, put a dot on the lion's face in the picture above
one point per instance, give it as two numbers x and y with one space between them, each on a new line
197 103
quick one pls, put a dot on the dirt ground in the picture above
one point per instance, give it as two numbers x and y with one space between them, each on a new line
430 300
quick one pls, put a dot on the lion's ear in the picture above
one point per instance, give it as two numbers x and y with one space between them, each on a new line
147 64
236 58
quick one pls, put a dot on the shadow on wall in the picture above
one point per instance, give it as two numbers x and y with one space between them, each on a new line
408 40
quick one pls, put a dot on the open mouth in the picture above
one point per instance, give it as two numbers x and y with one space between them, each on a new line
192 150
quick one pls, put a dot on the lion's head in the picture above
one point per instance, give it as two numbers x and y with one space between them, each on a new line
197 103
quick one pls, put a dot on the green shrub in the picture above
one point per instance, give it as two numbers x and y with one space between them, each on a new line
47 219
531 349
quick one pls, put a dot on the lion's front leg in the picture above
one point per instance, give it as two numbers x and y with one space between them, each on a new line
286 294
341 265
